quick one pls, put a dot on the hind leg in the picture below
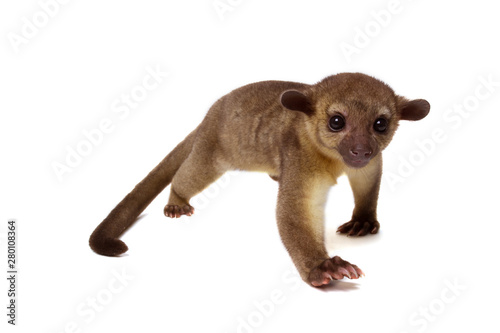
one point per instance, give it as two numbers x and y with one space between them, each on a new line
194 175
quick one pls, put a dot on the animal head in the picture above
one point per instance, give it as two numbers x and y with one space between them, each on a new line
352 116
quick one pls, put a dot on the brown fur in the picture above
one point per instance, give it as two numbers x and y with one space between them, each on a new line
282 128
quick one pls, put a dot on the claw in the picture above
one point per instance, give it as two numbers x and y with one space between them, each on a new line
344 272
345 227
354 229
175 211
364 230
333 269
352 270
357 228
358 271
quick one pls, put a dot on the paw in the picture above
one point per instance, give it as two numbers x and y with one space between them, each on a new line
358 228
333 269
176 211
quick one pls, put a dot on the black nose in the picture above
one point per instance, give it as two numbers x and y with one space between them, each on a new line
361 152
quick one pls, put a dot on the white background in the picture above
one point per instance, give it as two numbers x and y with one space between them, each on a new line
219 270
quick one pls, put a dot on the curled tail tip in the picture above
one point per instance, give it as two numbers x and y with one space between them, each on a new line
110 247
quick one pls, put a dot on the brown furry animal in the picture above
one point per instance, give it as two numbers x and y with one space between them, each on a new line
303 136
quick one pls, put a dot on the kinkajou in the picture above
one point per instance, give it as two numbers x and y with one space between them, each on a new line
304 136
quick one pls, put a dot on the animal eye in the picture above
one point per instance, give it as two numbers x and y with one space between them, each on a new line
336 123
380 125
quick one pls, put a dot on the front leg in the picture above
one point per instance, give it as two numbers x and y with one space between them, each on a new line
300 211
365 184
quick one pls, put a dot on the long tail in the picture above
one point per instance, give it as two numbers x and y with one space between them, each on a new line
104 240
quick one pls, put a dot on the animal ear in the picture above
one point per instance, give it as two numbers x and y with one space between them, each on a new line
296 101
413 110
